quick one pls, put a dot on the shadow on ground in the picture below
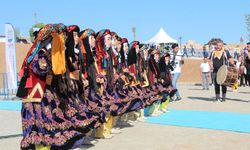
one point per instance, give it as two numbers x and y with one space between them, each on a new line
196 89
213 99
238 100
202 98
245 92
10 136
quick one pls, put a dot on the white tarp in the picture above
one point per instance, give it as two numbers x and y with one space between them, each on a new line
161 37
10 56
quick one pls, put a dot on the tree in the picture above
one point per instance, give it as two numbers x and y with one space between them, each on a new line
17 33
31 31
247 17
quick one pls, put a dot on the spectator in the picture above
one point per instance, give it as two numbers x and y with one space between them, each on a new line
192 50
176 62
205 53
247 63
205 71
185 51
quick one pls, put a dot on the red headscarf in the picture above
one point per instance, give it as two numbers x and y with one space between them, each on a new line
100 52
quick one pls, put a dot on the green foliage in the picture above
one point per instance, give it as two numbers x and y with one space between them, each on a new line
247 18
37 25
17 33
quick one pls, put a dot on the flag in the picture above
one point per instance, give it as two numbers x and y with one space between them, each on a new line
10 57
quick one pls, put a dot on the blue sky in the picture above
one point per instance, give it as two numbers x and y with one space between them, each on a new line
198 20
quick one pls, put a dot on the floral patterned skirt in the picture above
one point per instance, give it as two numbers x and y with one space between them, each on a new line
57 121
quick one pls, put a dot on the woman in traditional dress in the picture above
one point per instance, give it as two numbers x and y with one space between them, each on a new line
51 117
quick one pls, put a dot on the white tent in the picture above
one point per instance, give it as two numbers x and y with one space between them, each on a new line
161 37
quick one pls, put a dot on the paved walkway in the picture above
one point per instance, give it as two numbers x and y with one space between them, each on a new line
144 136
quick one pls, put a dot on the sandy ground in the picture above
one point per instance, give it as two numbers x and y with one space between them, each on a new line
197 99
144 136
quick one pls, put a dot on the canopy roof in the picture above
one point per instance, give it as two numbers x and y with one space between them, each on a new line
161 37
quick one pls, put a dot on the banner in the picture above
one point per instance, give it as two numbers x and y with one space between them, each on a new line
10 56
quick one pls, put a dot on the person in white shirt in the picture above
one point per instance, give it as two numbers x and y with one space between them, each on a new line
176 62
205 71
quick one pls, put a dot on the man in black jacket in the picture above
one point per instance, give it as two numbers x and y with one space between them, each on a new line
220 57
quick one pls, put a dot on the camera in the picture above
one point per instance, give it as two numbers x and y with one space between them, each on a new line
172 63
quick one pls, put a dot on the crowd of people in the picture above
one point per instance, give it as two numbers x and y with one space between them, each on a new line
243 65
219 58
78 85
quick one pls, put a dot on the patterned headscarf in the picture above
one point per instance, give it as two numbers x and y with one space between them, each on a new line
124 40
44 37
83 35
100 52
70 43
85 47
132 52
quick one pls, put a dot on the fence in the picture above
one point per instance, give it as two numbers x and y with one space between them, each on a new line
5 92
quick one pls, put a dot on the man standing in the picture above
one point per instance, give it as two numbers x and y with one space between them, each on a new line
205 53
192 50
220 57
176 62
205 71
185 51
247 63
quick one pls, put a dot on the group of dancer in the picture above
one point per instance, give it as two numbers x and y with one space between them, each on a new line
76 85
